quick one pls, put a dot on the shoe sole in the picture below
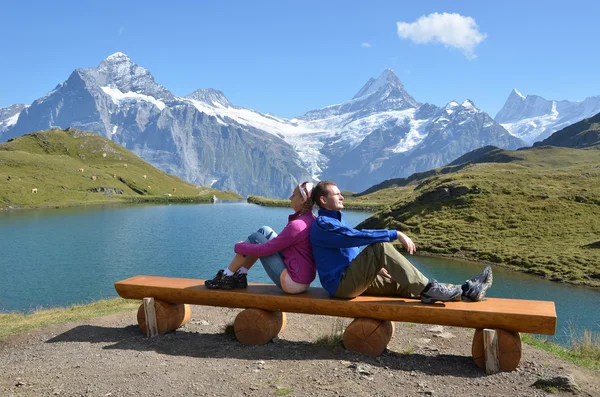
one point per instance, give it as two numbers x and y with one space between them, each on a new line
218 287
484 287
433 300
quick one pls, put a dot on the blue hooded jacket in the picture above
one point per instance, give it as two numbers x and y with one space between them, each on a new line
335 244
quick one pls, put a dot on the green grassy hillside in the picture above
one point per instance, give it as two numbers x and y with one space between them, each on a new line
536 210
50 161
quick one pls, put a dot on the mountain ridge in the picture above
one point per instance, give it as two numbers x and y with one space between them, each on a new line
380 133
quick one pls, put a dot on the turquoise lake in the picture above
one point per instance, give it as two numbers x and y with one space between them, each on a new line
61 257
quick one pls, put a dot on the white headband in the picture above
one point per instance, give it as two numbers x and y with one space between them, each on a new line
309 187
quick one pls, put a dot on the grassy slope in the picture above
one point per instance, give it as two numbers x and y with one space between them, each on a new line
13 323
535 210
49 161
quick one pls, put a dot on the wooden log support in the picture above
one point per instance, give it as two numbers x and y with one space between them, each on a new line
150 315
166 316
368 336
509 350
490 347
257 326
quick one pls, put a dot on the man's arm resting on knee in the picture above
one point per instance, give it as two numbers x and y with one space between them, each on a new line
334 234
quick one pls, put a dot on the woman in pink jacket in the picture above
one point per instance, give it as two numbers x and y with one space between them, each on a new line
287 257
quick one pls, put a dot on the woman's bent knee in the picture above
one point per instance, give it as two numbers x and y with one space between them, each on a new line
266 231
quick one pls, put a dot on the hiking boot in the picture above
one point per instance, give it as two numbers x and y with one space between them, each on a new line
475 288
241 280
220 281
440 292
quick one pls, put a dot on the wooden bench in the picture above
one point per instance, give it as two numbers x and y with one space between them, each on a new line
496 343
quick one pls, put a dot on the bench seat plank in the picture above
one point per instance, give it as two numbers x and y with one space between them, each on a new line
538 317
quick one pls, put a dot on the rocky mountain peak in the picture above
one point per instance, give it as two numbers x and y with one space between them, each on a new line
210 96
518 107
119 71
385 82
515 93
451 107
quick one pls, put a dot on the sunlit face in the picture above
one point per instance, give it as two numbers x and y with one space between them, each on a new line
334 201
296 200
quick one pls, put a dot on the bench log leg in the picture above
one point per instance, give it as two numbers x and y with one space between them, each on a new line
167 316
507 347
257 327
368 336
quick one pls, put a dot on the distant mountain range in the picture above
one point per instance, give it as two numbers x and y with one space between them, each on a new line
533 118
381 133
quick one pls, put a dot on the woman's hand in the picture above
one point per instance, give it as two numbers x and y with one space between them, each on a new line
407 242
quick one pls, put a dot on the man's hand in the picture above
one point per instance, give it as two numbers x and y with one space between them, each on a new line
384 273
407 242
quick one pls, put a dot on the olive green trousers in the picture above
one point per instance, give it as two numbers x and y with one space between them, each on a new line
362 276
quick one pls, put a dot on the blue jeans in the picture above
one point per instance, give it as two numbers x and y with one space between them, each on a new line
273 264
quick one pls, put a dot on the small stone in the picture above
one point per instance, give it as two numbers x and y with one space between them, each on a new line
445 335
431 348
436 329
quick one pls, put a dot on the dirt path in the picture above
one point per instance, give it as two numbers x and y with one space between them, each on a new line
110 357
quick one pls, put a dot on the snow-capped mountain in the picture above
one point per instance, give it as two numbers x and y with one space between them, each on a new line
381 133
183 136
533 118
439 139
10 115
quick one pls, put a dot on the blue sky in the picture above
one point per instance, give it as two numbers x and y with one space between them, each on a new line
286 58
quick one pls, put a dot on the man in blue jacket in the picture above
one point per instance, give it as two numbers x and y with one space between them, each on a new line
379 269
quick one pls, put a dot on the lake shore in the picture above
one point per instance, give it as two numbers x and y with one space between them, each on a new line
122 201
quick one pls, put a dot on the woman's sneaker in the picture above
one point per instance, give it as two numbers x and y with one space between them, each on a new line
221 281
440 292
241 280
475 288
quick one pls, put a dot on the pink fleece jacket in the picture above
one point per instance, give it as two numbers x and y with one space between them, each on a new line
294 246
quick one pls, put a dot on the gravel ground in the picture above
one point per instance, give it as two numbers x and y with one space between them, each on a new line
109 356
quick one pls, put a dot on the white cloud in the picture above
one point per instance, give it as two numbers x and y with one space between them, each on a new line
121 30
365 44
452 30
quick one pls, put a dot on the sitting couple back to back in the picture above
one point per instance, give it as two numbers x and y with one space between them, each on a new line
327 245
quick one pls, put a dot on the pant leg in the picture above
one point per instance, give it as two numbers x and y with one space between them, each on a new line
361 277
273 264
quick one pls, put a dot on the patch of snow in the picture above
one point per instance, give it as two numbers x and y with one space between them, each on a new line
114 130
529 129
117 96
451 107
467 104
11 120
117 55
213 182
413 138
